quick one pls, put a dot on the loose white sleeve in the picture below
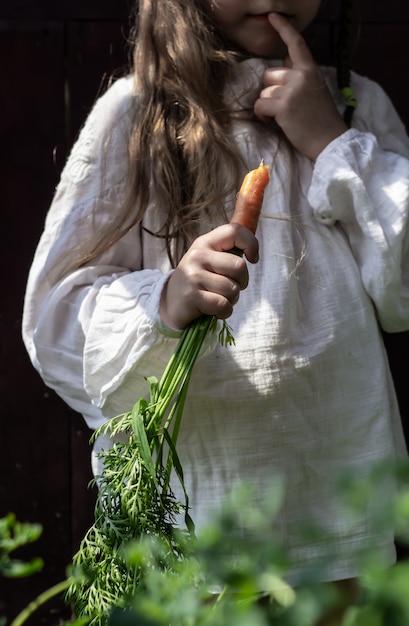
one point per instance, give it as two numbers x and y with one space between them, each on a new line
361 181
97 331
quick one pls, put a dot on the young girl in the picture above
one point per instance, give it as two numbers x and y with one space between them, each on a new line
135 243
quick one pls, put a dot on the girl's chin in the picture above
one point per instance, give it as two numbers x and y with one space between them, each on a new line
260 44
268 52
265 45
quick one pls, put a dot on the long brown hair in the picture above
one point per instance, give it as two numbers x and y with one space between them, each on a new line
179 145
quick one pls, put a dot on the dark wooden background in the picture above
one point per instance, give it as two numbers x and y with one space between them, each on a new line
55 58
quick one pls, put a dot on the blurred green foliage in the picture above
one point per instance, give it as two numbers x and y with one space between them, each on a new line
232 576
14 535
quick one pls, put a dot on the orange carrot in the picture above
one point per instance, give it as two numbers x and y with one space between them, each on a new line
250 198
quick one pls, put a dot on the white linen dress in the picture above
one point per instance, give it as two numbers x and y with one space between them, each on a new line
306 392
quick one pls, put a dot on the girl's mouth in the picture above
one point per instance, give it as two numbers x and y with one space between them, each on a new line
260 17
263 17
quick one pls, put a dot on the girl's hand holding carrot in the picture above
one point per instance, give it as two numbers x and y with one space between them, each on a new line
297 97
208 279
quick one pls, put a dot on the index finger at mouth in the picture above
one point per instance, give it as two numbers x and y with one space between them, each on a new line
298 50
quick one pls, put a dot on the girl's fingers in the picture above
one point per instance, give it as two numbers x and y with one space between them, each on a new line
276 75
208 279
298 50
296 96
211 303
218 272
229 237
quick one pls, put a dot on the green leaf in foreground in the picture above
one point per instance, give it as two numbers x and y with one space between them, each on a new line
14 535
134 496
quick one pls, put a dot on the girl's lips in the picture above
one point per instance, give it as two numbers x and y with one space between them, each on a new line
263 17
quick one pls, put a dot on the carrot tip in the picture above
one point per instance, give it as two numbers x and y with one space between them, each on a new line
250 197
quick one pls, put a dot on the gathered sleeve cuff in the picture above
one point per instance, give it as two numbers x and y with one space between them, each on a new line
365 189
125 339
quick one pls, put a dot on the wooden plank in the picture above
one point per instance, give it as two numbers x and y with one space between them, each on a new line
394 12
45 454
65 9
396 346
385 63
370 11
96 51
34 459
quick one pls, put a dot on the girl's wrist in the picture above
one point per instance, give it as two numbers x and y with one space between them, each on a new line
169 319
328 139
